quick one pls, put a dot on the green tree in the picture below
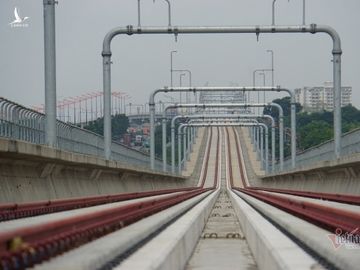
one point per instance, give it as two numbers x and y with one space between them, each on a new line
314 133
285 104
119 125
313 128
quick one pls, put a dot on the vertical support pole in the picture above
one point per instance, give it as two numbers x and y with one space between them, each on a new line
171 68
251 131
184 143
152 135
173 150
139 14
281 139
164 141
337 102
107 104
50 72
192 138
262 147
258 142
179 150
273 147
273 12
303 12
293 135
266 150
188 143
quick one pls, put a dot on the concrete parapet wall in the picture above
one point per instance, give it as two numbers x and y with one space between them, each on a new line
336 176
30 172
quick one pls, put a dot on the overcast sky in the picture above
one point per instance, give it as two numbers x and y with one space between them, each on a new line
141 63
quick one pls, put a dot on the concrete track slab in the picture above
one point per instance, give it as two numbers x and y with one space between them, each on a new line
315 238
224 254
97 253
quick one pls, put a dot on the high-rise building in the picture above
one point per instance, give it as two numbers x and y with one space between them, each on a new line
321 98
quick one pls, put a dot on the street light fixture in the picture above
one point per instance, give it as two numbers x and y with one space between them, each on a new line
169 11
190 82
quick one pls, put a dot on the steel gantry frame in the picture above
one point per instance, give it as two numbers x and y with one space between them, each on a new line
260 143
225 89
232 105
256 29
223 124
213 116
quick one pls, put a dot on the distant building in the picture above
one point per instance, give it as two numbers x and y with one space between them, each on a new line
321 98
224 97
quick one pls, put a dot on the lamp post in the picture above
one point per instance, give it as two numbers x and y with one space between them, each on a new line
190 81
171 67
272 66
185 70
130 104
254 77
264 82
181 75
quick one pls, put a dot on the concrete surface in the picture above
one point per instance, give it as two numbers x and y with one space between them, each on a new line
14 224
271 248
222 244
312 236
337 176
194 155
172 247
97 253
246 144
30 172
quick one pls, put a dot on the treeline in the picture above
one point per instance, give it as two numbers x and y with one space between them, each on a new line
119 125
313 128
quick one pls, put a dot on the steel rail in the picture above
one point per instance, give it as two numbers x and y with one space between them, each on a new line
329 218
341 198
9 211
25 247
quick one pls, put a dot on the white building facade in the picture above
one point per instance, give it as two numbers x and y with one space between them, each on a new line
321 98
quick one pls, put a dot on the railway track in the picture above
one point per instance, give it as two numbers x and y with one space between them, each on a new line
335 213
329 218
130 226
27 246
